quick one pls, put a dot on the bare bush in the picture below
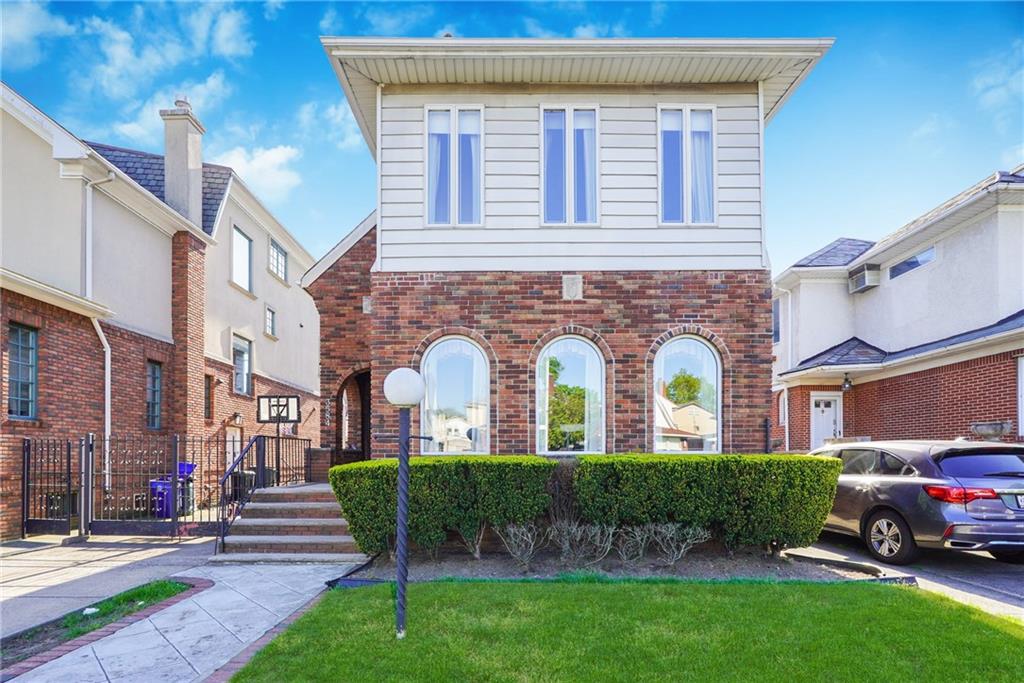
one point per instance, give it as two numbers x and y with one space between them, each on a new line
597 542
522 541
567 536
632 542
675 540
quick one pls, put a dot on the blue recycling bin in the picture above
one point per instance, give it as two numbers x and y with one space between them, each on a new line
160 493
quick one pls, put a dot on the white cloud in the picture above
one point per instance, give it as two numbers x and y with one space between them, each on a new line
25 27
534 29
231 35
658 11
446 29
333 122
598 30
329 22
124 68
999 85
141 123
267 171
271 8
932 125
390 22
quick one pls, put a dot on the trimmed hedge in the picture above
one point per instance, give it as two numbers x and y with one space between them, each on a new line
741 499
448 493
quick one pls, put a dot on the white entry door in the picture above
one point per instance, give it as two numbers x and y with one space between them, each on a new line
826 418
232 443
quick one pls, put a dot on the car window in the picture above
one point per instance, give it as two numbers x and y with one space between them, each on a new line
858 461
983 464
890 464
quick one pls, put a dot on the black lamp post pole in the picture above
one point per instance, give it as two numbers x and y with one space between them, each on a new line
402 531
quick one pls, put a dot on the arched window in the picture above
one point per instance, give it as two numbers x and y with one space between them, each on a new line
687 397
570 397
457 408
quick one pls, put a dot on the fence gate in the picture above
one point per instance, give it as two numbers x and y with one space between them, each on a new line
49 495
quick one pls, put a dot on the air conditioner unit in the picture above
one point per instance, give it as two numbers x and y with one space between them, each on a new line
865 277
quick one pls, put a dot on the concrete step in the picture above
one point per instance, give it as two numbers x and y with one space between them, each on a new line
284 526
288 558
311 543
308 493
291 509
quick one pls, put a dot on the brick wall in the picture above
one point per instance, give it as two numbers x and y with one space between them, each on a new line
344 331
627 314
188 308
129 353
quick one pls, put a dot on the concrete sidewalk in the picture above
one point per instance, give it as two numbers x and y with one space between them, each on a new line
38 585
190 640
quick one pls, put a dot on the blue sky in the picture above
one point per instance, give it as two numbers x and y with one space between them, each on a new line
913 103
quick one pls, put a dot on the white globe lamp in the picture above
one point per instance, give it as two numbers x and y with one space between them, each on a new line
404 387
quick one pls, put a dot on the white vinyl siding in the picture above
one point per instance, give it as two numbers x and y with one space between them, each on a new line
629 234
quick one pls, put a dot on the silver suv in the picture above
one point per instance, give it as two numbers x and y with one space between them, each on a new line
899 496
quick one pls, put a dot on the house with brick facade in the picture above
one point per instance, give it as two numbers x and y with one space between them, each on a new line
920 335
567 242
141 294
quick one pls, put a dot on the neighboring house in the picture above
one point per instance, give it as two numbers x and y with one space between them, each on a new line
925 328
561 226
141 294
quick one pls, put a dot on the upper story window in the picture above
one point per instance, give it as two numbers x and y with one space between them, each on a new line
570 397
569 165
241 259
776 322
23 372
278 260
686 169
270 321
454 166
241 359
154 394
915 261
687 381
457 406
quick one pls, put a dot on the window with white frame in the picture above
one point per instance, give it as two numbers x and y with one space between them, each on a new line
241 360
570 397
454 182
687 381
776 322
686 167
270 321
569 165
154 394
457 406
278 260
241 259
909 264
783 409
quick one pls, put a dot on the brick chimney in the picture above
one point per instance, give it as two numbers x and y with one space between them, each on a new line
183 160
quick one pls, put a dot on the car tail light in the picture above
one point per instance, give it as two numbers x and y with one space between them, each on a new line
958 494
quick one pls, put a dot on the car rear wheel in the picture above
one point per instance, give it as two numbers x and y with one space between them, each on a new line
1011 556
889 538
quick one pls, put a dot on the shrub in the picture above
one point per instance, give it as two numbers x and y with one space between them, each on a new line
446 493
777 500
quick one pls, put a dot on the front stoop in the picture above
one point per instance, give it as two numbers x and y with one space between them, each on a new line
291 524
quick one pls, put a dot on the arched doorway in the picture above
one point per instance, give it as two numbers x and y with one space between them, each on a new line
352 428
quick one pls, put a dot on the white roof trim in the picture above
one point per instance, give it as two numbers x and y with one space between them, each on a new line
339 249
23 284
64 144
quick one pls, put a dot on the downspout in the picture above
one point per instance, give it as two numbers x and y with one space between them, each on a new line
789 352
96 324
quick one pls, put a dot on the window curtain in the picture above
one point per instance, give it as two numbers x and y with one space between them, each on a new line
672 165
702 167
554 166
469 167
585 165
438 166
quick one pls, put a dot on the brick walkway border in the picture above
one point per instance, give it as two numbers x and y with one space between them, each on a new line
24 666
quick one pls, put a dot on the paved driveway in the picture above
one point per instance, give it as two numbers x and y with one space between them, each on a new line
973 578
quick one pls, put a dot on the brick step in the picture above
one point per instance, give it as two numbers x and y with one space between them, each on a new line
255 526
290 544
291 509
315 493
288 558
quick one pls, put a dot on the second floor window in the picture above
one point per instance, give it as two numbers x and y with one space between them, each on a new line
23 371
278 260
241 260
687 164
454 171
241 359
915 261
569 165
776 322
270 322
154 391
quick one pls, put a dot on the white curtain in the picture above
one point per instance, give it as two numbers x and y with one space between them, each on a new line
469 167
585 124
702 166
438 169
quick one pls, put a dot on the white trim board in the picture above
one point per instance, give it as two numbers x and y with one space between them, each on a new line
339 250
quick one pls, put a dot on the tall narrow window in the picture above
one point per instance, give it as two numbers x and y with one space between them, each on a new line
438 166
776 322
686 397
208 397
469 166
23 372
457 407
701 167
241 359
554 166
154 392
270 321
278 260
672 166
584 124
241 260
570 397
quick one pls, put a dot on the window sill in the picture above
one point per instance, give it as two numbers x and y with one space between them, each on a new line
239 395
271 337
26 421
663 224
280 279
242 289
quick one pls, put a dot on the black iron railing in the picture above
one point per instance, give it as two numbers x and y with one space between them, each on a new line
49 492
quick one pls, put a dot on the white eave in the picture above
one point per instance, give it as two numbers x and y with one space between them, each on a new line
23 284
363 64
339 249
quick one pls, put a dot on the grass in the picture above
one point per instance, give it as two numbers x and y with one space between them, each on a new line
47 636
582 628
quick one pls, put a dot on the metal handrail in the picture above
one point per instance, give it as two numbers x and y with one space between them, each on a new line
236 510
238 459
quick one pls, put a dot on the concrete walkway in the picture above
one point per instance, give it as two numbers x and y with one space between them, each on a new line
191 639
50 580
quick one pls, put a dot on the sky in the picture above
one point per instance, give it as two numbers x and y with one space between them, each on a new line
914 103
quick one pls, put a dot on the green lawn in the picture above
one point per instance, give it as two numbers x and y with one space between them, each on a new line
600 630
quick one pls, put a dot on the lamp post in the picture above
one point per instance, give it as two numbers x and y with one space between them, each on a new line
404 388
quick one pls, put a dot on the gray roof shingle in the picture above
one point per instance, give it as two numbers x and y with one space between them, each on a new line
839 253
148 171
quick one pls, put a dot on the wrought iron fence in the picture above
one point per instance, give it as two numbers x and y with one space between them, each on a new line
49 485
